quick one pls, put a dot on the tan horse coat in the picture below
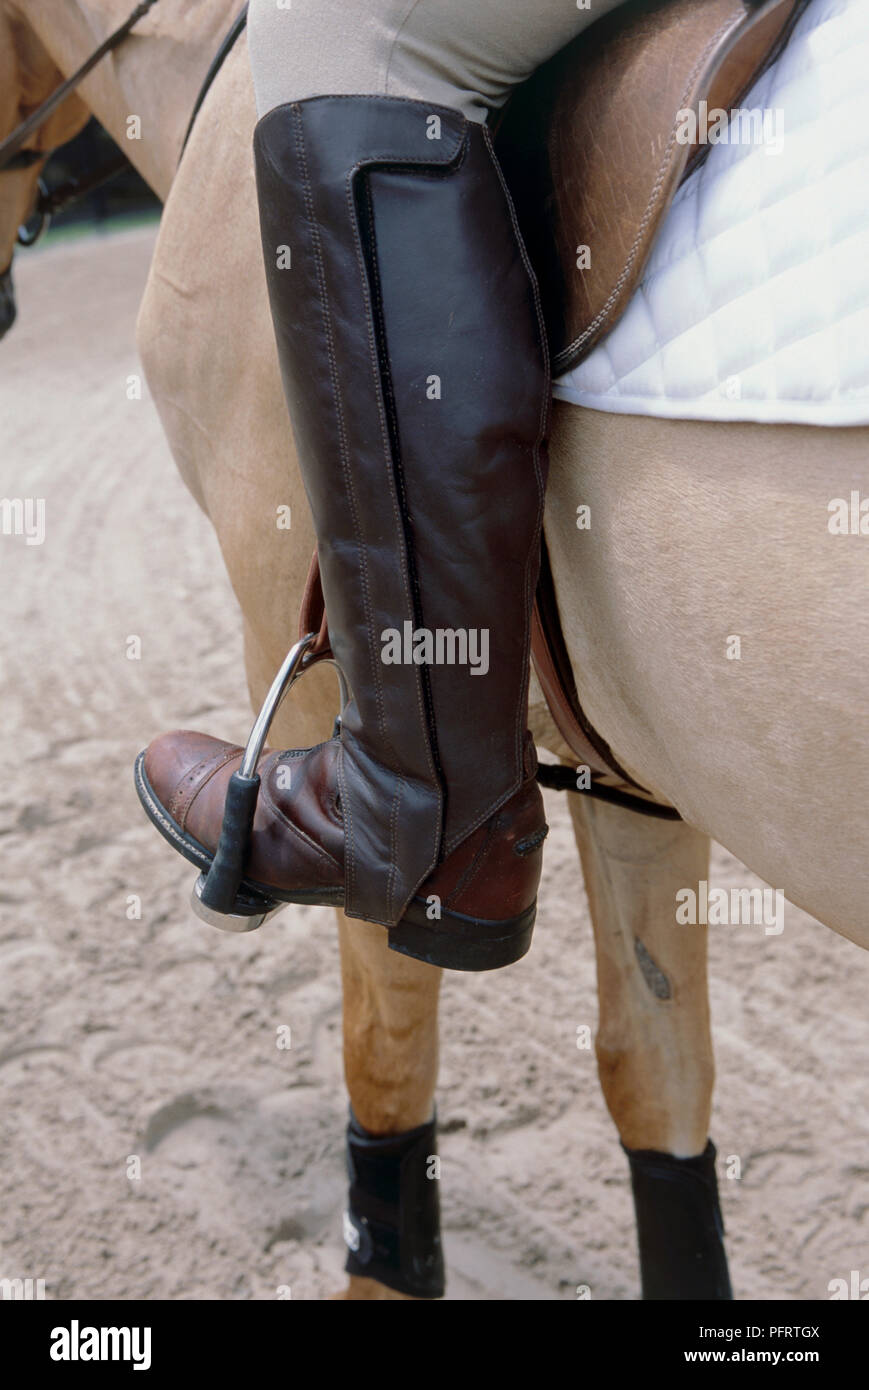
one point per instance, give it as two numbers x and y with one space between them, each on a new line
700 533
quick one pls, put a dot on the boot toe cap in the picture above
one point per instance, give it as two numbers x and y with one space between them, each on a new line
177 766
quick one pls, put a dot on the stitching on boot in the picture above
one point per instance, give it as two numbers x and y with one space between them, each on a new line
177 808
475 865
268 800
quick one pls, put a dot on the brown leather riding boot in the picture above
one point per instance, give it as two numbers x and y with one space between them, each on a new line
415 370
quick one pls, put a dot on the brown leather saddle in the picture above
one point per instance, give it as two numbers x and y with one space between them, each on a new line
591 152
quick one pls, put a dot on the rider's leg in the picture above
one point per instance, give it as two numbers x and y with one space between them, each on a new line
415 370
467 54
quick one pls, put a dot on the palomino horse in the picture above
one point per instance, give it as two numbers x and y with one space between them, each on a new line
701 531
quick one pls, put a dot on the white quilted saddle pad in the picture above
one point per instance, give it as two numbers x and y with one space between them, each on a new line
755 302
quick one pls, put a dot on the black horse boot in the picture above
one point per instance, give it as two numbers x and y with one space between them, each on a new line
415 369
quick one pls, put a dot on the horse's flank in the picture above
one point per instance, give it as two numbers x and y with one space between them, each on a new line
702 533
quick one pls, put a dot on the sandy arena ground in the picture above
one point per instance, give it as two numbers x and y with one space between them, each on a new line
156 1037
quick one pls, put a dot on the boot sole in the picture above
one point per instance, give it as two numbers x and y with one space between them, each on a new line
466 943
453 942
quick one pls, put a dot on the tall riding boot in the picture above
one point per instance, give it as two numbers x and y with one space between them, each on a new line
415 370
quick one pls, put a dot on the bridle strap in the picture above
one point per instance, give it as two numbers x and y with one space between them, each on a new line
13 143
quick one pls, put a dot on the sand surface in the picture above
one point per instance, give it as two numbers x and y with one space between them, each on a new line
155 1036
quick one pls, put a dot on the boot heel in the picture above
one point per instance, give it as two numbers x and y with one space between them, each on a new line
457 942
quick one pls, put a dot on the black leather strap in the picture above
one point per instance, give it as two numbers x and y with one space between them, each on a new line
392 1225
216 64
679 1226
561 778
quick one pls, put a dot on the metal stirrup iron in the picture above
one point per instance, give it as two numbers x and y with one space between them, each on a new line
218 897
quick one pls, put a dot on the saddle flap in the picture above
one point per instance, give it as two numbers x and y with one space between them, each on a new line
593 145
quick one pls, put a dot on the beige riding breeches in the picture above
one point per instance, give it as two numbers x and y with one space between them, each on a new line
465 54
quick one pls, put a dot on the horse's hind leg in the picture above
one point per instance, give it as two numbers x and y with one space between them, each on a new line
654 1048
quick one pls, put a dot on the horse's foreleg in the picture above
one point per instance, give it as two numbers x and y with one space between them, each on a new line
390 1054
654 1048
390 1063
